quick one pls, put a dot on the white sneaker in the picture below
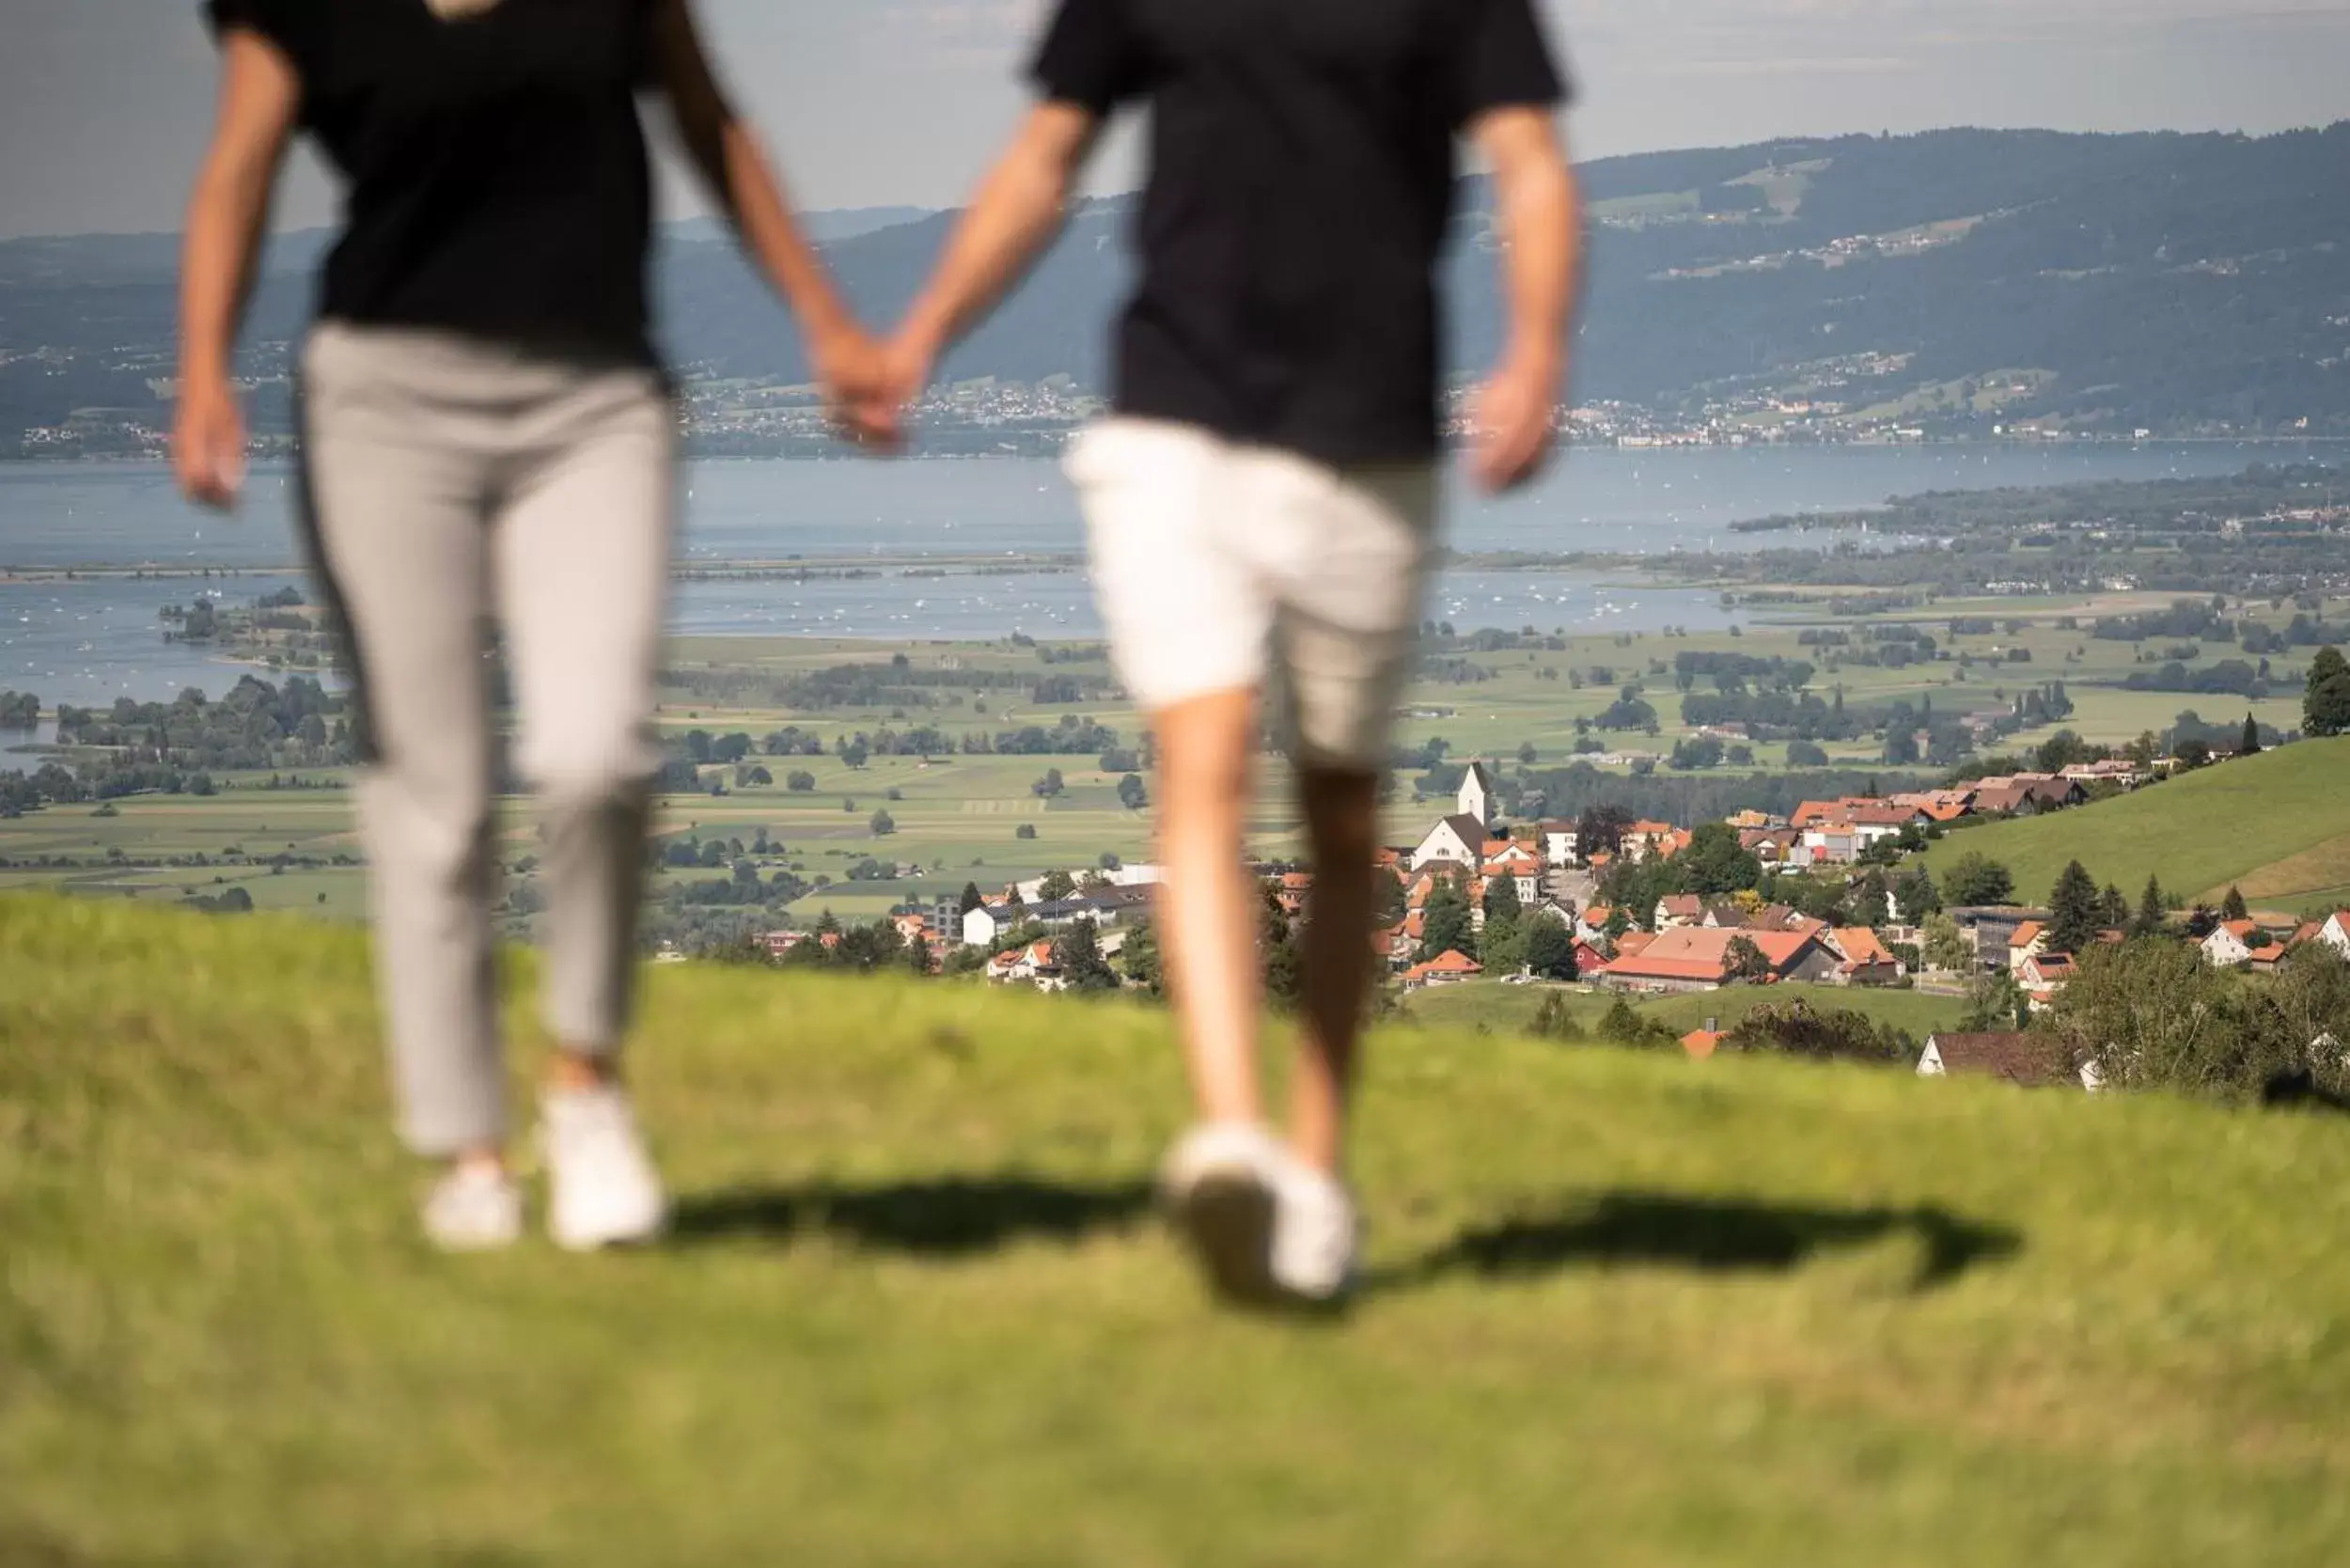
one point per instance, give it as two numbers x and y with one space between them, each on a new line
1217 1185
474 1209
1315 1234
604 1191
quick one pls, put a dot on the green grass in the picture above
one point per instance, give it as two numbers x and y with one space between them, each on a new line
1624 1308
2287 807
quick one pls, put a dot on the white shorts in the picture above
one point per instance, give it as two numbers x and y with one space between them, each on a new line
1219 564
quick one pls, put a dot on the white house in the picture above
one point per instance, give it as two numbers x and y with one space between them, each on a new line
2029 941
1559 843
1477 794
984 925
1033 965
1455 841
2335 932
2231 944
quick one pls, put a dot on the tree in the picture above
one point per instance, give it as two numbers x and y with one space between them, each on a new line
2250 745
800 782
1555 1020
1025 831
1277 945
1450 926
2154 1015
1995 1001
1049 786
884 825
1621 1026
1387 896
2192 755
2154 914
1946 946
1077 952
1746 962
2117 908
918 953
2326 707
1805 754
855 752
1975 879
1716 863
1501 945
2076 910
972 898
1141 961
1055 885
1917 895
1550 949
2233 907
1837 1035
1601 831
1131 795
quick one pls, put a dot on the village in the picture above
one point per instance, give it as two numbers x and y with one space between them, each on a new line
1546 878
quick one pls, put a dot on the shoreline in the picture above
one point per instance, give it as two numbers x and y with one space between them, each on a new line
1638 446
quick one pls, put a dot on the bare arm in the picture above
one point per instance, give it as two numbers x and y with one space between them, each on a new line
1541 223
1017 211
743 183
260 98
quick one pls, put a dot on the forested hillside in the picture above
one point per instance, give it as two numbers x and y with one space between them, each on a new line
1965 279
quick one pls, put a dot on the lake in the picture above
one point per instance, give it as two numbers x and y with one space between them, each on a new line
92 641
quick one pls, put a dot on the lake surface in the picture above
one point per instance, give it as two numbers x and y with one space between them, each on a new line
92 641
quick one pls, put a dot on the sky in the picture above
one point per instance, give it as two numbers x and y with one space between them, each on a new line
105 103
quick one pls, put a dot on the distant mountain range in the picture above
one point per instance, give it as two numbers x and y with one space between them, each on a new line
2181 283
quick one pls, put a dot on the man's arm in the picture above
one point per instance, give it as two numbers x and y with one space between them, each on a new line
259 97
736 171
1542 224
1017 211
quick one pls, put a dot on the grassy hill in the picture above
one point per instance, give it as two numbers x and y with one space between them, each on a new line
2279 824
1738 1313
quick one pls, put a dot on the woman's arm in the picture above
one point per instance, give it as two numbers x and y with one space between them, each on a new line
745 184
260 99
1018 210
1542 224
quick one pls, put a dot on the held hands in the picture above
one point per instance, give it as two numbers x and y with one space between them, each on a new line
1512 418
208 444
869 385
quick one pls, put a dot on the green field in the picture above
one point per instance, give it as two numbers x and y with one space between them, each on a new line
1624 1308
959 818
2276 824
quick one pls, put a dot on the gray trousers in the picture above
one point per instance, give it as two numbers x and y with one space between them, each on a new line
454 484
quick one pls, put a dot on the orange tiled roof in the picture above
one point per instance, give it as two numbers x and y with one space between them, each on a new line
1450 962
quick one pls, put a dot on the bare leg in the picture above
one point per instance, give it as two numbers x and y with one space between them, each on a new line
1343 823
1208 909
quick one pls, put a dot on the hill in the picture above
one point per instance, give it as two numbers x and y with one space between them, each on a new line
2276 824
1743 1313
1959 280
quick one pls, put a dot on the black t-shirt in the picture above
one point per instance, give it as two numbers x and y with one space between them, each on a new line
1300 183
498 183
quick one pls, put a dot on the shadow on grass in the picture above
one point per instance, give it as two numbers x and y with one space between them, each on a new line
950 1216
1706 1234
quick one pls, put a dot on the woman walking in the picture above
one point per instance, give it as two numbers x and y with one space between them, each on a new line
487 438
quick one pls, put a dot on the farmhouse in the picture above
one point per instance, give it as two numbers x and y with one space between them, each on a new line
1700 959
2028 1060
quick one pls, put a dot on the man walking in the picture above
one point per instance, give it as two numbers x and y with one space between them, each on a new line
1267 489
